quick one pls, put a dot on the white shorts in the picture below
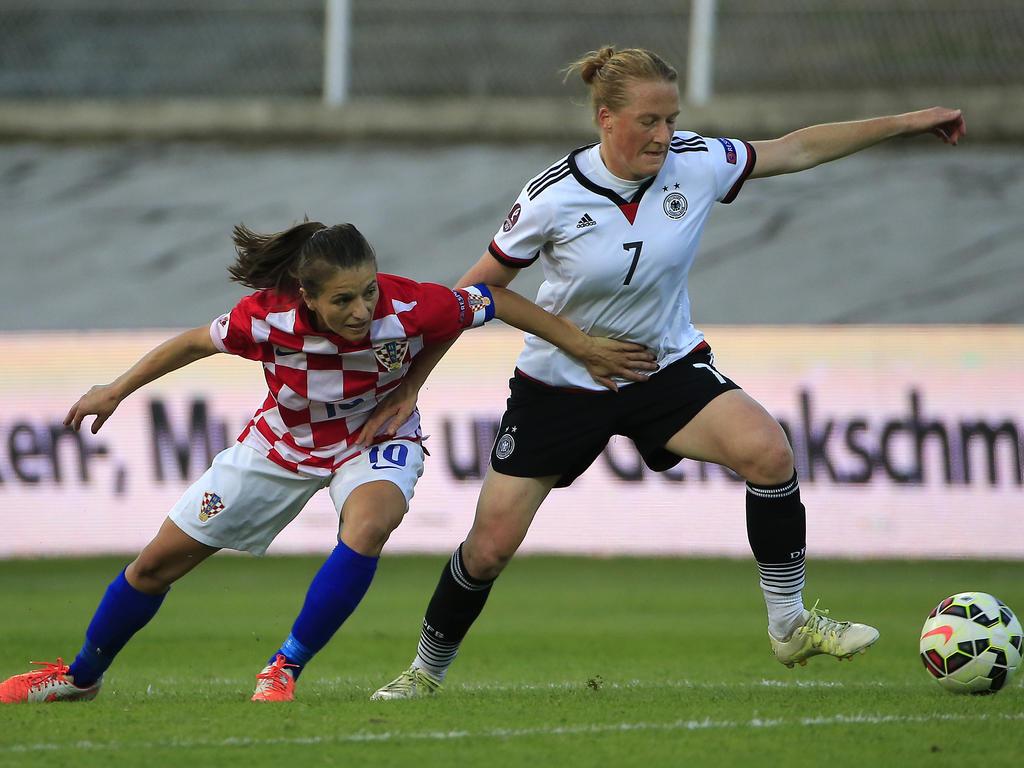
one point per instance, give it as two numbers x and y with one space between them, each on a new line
244 499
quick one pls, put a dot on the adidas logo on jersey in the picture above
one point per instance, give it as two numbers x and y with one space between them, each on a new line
586 221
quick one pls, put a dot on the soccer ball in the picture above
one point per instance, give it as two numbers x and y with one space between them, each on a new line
971 643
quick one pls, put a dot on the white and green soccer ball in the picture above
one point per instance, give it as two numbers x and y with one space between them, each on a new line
971 643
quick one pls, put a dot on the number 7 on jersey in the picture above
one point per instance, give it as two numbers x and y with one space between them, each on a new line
635 248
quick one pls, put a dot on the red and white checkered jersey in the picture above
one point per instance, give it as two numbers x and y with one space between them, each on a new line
322 387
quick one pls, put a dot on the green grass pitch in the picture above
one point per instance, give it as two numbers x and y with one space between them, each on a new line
575 661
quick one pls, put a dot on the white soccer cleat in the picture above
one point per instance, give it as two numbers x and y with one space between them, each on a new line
411 684
821 635
47 684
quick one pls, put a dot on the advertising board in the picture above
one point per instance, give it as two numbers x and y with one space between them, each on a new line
908 442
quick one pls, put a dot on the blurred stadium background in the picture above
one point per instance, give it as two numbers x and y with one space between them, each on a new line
135 133
492 48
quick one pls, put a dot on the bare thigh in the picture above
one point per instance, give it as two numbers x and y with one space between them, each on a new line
504 512
170 555
734 430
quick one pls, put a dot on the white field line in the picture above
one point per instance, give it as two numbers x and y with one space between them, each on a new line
513 733
337 682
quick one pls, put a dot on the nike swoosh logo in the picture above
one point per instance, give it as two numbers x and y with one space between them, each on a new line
347 406
286 352
945 630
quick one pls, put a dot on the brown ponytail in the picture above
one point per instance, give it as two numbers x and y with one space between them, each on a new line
306 254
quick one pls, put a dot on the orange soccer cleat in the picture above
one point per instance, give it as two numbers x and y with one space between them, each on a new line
46 684
275 682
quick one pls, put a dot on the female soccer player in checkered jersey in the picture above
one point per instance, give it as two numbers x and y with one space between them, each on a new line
334 337
615 227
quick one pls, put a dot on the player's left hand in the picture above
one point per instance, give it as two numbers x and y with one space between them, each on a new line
607 358
390 413
947 124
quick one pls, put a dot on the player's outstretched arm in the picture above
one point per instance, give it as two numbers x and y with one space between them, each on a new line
102 400
808 147
603 358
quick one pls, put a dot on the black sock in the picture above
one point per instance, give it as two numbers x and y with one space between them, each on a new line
777 532
457 601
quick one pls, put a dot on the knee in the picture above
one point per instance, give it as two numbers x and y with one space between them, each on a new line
770 460
149 574
367 534
485 558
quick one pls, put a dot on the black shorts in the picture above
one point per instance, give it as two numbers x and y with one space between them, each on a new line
549 431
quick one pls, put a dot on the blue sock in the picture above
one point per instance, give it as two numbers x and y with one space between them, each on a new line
334 593
122 612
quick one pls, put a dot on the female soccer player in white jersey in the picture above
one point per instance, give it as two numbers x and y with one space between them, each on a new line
615 227
334 336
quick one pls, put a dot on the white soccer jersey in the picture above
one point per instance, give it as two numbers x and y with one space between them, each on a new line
617 267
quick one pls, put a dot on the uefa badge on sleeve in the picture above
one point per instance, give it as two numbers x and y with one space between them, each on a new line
512 218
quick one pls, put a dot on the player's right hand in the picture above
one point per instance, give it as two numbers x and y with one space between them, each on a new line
391 412
100 401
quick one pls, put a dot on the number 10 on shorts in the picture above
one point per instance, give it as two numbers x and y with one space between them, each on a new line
392 455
